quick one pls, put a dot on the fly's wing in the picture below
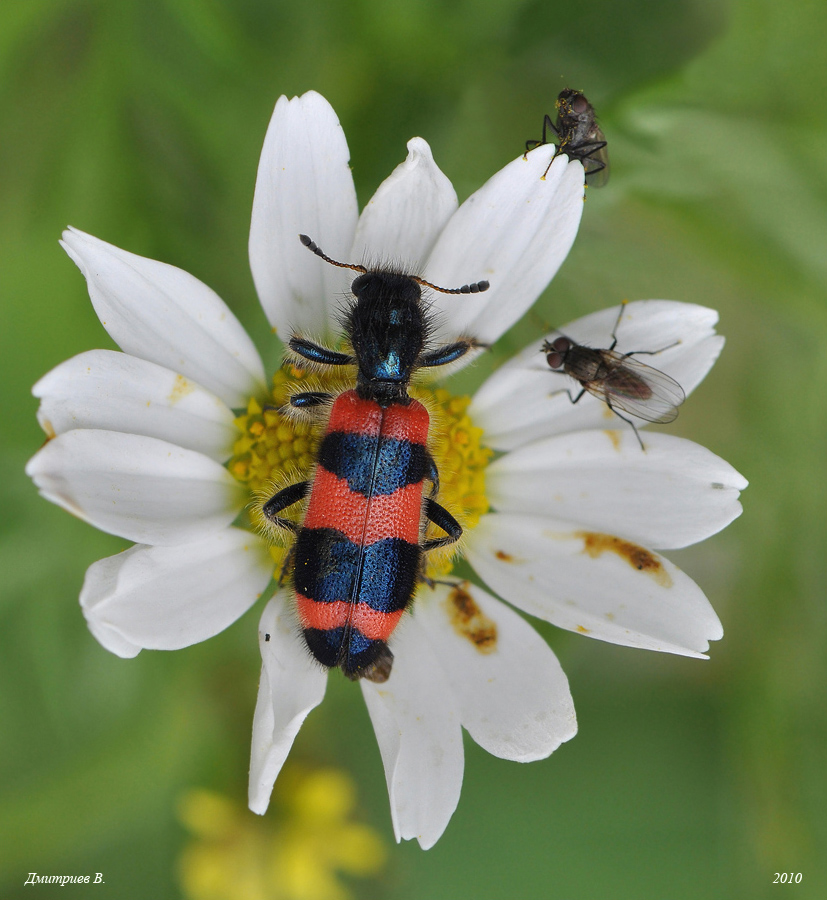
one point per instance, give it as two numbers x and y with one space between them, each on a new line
638 389
597 176
595 155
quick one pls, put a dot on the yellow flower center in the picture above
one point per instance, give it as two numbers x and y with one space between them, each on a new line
275 450
300 852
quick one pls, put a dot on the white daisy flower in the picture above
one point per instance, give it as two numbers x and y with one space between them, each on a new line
145 445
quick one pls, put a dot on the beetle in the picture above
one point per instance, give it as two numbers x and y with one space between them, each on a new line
621 382
579 136
359 554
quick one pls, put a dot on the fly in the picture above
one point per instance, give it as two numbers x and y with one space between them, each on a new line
624 384
578 135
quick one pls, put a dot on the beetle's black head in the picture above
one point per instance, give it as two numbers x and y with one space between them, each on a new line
387 328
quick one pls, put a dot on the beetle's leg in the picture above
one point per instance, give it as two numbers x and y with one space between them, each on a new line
281 500
447 354
310 399
432 474
444 520
318 354
285 566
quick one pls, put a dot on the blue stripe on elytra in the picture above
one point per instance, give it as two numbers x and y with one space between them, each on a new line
389 574
354 457
330 641
329 648
326 566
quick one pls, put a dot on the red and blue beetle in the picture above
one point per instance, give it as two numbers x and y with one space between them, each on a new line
358 554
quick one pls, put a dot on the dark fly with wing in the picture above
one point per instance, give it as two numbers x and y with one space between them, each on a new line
624 384
578 136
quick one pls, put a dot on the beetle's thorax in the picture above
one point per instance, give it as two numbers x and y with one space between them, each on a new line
387 329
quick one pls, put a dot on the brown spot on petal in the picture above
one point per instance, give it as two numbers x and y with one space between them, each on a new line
595 543
614 437
180 389
470 621
47 426
505 557
582 629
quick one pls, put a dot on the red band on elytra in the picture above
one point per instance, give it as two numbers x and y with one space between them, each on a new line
364 520
373 624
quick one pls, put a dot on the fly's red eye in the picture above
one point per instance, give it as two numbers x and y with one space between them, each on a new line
561 344
579 104
555 360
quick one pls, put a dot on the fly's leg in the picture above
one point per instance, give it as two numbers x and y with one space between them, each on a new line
548 125
587 148
617 323
594 165
566 390
628 421
651 352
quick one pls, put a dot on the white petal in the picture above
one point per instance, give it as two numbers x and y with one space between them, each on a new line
525 400
163 314
165 598
593 584
292 683
674 494
137 487
513 696
406 214
418 730
117 392
515 232
304 186
106 570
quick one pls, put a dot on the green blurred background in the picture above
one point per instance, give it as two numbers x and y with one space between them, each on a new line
141 121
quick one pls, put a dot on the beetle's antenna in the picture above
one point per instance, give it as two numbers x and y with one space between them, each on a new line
319 252
477 288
